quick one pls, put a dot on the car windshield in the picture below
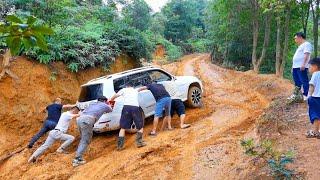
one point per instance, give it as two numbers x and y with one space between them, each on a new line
91 92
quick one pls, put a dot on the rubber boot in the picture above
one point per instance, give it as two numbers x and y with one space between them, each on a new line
139 141
120 143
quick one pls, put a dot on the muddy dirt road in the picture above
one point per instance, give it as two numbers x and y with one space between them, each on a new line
208 150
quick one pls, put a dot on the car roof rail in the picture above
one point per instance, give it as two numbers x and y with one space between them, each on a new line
121 73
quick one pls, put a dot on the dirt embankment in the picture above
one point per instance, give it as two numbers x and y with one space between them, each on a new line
21 101
210 149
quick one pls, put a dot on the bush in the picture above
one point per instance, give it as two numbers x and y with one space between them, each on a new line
130 41
80 47
277 161
200 45
173 52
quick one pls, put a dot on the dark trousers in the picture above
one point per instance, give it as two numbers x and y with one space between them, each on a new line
301 79
47 126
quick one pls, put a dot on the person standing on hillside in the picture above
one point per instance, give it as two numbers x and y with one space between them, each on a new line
59 133
163 103
176 104
54 113
85 124
130 113
300 65
314 98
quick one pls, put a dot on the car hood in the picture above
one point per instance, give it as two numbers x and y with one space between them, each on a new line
187 78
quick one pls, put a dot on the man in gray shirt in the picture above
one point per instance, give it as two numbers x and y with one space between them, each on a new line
85 124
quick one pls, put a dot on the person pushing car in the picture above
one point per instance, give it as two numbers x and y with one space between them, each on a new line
130 114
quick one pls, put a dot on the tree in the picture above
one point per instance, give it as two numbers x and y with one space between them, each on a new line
20 35
315 6
158 24
304 7
138 15
181 17
256 62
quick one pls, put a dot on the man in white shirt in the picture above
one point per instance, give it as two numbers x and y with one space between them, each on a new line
300 64
58 133
176 104
131 113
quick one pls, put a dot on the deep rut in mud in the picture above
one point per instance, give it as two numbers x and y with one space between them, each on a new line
209 149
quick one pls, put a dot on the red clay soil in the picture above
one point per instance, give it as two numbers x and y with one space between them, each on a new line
210 149
21 101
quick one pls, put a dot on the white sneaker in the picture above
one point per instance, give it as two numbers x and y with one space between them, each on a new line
32 159
78 161
61 151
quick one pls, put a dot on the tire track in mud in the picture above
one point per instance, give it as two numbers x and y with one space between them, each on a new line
208 149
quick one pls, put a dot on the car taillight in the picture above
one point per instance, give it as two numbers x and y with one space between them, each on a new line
112 103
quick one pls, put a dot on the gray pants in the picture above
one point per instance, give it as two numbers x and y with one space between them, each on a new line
85 125
54 135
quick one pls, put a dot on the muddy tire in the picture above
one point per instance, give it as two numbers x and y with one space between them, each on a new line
133 127
194 97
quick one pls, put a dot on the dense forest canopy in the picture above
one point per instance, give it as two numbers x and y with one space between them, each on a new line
241 34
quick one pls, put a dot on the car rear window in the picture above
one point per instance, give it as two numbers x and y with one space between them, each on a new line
91 92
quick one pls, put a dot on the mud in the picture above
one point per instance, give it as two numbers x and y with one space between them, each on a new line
210 149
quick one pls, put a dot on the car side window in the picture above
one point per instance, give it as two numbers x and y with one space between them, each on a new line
159 76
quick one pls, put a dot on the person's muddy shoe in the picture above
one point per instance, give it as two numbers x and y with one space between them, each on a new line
312 134
153 133
61 151
139 140
77 162
120 143
185 126
32 159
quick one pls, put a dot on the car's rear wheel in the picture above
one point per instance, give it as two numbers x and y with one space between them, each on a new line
194 97
133 126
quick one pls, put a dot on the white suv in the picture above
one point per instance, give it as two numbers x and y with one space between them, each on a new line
191 88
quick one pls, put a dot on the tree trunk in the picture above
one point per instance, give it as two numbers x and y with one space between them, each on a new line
7 57
305 14
255 27
286 42
266 41
315 15
278 47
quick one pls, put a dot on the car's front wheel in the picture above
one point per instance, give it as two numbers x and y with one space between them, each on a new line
194 97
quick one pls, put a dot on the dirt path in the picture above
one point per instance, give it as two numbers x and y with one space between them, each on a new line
208 150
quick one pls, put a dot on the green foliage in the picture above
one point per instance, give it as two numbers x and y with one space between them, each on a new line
137 14
87 33
23 33
130 41
173 52
277 161
182 17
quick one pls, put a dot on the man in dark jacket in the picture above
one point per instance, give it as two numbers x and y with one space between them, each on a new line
54 113
163 104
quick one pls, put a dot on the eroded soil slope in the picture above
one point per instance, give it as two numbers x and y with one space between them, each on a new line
208 150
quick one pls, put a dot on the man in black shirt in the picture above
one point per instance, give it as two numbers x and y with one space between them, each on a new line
54 113
163 103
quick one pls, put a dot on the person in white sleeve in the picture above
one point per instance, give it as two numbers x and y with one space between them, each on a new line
58 133
300 65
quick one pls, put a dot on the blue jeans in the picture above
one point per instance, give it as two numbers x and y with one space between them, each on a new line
47 126
301 79
163 104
